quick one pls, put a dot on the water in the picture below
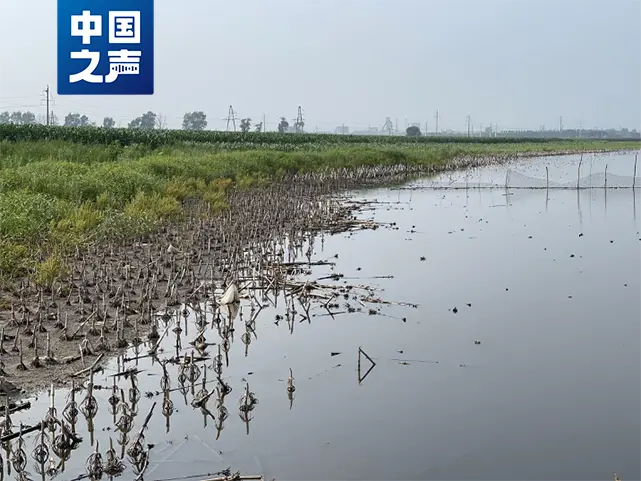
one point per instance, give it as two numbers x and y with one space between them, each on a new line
552 391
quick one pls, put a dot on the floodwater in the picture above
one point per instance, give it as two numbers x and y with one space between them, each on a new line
549 282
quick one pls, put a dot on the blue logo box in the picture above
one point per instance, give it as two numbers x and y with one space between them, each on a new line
105 47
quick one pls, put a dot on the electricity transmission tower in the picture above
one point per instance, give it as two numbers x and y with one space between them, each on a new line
468 119
299 122
231 117
436 117
388 125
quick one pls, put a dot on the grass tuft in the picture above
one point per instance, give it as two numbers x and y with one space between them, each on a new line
153 207
50 270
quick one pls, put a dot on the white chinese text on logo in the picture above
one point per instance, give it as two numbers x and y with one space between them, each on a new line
124 28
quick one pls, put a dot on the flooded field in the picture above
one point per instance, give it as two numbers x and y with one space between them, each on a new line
499 332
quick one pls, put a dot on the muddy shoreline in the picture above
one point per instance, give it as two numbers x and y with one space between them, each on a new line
111 297
113 293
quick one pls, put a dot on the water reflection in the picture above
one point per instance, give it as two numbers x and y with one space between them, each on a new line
189 364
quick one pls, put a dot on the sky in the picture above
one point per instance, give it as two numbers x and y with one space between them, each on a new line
518 64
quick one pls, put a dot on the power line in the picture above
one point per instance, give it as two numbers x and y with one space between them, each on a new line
20 106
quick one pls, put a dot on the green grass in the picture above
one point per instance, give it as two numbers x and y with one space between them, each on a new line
69 191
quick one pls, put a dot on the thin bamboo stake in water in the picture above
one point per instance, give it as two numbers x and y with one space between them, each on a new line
634 177
578 174
547 178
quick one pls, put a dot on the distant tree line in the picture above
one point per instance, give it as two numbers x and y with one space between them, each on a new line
196 120
18 118
148 120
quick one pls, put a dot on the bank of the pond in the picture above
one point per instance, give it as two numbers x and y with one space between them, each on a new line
102 297
90 250
58 195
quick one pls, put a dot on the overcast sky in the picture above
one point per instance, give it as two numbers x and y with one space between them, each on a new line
518 63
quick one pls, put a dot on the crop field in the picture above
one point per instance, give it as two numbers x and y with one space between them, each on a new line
156 138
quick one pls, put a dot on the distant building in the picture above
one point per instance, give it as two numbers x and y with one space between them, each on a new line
342 130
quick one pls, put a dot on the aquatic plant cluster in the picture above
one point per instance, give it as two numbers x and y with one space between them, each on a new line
142 295
105 291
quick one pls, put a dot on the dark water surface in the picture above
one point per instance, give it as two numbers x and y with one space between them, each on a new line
553 390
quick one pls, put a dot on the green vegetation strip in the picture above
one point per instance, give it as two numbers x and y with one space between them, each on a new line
156 138
65 190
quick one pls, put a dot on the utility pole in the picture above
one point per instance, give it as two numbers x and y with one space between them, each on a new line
46 91
436 117
561 124
47 104
468 120
231 117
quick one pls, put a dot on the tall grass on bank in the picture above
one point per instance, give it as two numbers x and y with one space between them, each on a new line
58 194
19 153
